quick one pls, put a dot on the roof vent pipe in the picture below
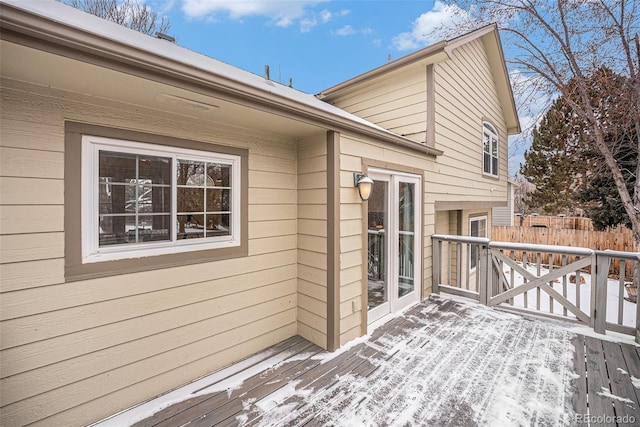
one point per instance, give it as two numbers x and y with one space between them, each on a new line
167 37
266 72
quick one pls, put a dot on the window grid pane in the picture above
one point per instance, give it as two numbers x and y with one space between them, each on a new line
204 200
124 195
490 162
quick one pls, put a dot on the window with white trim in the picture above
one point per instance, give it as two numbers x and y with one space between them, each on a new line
477 228
141 199
490 161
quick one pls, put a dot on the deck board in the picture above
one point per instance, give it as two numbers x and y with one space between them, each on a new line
580 394
620 382
425 367
598 380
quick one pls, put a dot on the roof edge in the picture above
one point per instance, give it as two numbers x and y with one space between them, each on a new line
17 23
430 51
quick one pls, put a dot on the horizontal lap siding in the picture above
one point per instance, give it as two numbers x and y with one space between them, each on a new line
312 240
400 104
72 353
353 152
465 96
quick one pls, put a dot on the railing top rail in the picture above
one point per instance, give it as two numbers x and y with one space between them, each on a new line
461 239
531 247
633 256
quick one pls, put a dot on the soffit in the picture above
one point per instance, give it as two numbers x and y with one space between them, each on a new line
35 66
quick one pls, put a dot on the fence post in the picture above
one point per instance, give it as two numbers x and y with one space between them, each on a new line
437 265
599 302
483 274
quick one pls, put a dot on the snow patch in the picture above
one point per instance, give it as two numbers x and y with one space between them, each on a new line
607 393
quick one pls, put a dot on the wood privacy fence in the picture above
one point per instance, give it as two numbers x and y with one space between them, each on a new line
570 222
596 240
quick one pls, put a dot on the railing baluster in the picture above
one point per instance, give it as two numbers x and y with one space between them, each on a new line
621 290
460 263
550 259
538 262
524 281
564 285
578 284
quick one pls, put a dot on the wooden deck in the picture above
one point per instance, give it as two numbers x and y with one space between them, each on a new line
444 362
605 387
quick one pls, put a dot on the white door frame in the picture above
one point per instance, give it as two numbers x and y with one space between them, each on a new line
394 303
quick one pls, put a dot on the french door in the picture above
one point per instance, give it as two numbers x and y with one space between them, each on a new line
394 243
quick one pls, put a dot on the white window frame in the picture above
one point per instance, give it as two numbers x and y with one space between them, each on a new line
92 252
473 219
490 131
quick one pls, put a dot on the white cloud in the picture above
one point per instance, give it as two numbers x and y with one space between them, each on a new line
423 28
307 24
347 30
281 13
325 16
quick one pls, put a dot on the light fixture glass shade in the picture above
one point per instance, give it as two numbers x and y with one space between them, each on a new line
365 185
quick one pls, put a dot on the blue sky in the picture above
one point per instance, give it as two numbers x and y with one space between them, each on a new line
317 43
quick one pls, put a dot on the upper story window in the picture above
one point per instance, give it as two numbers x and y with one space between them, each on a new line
489 149
141 199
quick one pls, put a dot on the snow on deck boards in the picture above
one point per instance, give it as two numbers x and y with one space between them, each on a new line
444 362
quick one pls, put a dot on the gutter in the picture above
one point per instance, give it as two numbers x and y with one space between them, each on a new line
41 33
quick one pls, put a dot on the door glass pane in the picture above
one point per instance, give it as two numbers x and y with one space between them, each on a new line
477 228
406 237
377 236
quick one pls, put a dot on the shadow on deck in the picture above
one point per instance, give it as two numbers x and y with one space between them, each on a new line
444 362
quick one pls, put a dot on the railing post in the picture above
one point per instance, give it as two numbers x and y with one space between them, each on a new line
636 281
599 302
437 265
483 274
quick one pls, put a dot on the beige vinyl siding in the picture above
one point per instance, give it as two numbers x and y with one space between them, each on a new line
312 240
398 104
355 154
504 215
465 97
72 353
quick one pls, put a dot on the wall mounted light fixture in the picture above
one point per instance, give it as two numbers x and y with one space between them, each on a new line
364 184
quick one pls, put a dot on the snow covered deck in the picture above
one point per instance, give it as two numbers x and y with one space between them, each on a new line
444 362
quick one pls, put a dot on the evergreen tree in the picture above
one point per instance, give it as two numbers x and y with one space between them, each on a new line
552 164
610 99
564 164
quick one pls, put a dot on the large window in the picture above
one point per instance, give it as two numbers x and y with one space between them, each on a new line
490 162
142 199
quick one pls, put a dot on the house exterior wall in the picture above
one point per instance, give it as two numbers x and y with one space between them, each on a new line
465 97
504 215
397 103
312 240
357 155
74 352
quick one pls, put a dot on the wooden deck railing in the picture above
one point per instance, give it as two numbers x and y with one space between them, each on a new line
571 283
